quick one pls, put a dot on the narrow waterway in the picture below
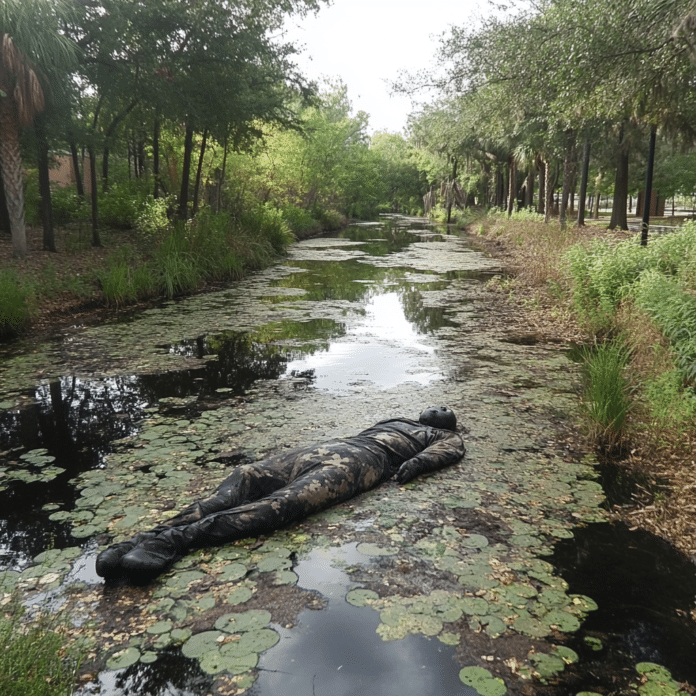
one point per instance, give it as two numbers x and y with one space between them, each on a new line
480 579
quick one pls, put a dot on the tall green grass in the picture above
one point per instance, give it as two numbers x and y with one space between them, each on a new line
212 247
673 309
15 304
604 273
606 397
33 659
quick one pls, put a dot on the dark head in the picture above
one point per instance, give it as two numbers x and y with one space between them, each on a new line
439 417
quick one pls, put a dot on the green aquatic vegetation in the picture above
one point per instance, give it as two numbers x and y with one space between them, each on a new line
483 681
235 644
658 680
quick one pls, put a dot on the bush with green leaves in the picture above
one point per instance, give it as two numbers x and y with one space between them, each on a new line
15 304
329 220
266 225
68 207
673 309
668 402
604 272
300 221
153 220
121 205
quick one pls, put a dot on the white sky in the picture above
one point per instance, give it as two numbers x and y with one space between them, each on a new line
368 42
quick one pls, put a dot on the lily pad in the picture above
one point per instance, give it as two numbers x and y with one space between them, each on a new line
201 644
214 662
483 681
374 550
360 597
247 621
124 658
239 595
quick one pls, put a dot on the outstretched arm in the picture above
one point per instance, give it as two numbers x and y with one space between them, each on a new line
443 452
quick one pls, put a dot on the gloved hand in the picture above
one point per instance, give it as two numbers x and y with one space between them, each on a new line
407 471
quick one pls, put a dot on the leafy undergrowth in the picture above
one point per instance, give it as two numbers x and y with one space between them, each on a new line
660 430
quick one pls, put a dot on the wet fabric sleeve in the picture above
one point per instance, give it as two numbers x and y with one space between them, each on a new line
446 449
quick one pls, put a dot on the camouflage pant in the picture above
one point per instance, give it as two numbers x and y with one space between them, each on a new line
264 496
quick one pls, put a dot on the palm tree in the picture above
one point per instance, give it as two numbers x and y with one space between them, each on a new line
29 38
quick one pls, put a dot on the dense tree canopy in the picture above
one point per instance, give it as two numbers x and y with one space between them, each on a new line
535 83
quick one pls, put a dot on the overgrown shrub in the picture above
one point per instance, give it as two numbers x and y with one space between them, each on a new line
68 207
15 304
674 312
669 404
122 204
329 220
266 224
153 220
300 221
604 272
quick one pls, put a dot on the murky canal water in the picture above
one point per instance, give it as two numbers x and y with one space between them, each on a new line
480 579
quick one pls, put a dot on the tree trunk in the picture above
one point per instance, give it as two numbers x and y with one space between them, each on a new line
568 167
618 210
4 215
548 187
218 202
185 173
13 183
156 158
79 186
199 170
583 182
49 243
450 198
512 186
647 200
529 189
96 241
108 137
542 188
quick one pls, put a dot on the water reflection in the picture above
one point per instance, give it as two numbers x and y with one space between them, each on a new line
74 420
385 348
172 675
351 280
338 651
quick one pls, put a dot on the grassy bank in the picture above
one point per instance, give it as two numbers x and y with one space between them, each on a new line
152 259
633 309
35 660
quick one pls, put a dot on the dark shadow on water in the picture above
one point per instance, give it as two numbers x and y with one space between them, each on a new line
645 590
337 651
171 675
76 419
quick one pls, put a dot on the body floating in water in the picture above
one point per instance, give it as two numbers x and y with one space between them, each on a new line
264 496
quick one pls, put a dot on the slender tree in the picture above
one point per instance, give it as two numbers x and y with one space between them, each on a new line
30 41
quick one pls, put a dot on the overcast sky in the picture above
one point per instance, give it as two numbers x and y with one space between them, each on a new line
368 42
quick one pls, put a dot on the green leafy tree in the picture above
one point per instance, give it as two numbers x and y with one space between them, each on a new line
31 44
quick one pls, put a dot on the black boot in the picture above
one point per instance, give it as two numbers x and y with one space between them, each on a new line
108 563
154 555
